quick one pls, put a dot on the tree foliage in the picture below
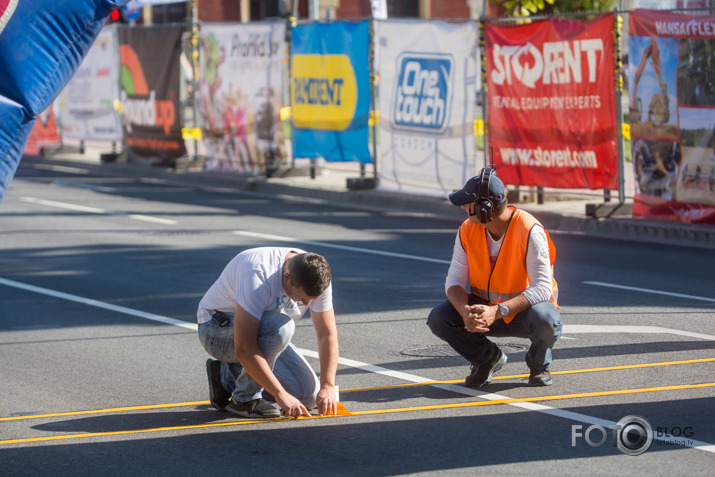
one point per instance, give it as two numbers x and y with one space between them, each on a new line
525 8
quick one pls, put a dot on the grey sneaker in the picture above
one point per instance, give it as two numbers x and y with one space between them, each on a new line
256 409
482 375
538 377
218 396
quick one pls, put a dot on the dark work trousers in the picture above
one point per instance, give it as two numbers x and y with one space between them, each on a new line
540 323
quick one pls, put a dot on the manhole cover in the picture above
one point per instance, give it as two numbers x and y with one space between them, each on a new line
446 351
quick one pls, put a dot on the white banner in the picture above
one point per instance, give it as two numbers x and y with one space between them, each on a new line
85 107
240 95
427 90
379 9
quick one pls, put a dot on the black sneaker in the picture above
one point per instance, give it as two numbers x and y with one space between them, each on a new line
482 375
538 377
256 409
218 396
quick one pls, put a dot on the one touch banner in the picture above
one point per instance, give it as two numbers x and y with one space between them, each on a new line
427 89
552 116
672 113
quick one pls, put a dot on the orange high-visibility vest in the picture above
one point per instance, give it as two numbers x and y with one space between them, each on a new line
509 277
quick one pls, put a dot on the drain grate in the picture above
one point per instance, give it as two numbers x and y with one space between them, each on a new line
446 351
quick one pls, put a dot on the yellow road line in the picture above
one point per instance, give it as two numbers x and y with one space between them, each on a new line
513 376
136 431
363 413
535 399
394 386
105 411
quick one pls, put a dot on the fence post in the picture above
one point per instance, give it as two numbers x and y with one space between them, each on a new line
194 72
371 53
618 22
483 66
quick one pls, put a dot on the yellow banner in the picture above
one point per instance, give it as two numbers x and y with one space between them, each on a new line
191 133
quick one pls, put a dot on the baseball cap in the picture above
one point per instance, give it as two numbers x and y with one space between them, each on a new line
470 192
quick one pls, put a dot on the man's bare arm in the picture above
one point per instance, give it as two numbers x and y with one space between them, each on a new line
328 351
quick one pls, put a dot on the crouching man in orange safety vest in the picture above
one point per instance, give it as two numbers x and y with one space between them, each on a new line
507 257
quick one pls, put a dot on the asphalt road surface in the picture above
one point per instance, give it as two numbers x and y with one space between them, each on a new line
102 372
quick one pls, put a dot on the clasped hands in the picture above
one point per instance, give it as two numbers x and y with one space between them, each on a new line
478 318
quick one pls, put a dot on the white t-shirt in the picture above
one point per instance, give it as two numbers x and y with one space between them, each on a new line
254 280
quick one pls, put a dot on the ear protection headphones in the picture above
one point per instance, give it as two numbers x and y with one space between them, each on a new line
483 205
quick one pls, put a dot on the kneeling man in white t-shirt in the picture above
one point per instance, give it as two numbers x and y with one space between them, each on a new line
246 322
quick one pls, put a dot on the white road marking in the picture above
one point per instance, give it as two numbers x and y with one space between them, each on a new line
80 185
63 205
577 329
282 238
57 168
648 290
530 406
99 304
95 210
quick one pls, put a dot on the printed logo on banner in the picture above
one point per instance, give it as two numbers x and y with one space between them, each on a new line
143 109
558 63
324 92
423 91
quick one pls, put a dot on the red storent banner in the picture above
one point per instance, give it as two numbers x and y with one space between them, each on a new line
552 114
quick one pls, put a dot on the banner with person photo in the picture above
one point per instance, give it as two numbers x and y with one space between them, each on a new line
427 91
552 118
330 90
240 95
672 115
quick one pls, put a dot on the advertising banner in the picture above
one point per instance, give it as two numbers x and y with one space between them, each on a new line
672 114
240 95
552 114
330 91
427 92
149 91
85 108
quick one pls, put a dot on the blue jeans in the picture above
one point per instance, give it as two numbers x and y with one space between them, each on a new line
274 335
540 323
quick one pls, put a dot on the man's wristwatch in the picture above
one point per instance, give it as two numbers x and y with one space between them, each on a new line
503 310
